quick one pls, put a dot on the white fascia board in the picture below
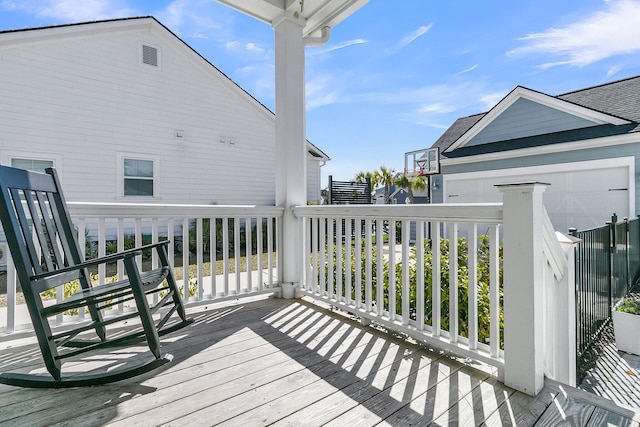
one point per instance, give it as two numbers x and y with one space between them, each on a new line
519 92
263 10
54 33
545 149
312 148
627 162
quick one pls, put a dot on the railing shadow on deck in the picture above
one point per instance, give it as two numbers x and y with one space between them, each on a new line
37 406
379 376
316 366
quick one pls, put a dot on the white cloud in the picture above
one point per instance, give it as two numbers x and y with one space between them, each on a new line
613 31
258 80
489 100
468 70
433 106
192 14
253 47
437 106
407 40
614 70
71 10
346 44
318 93
415 35
321 100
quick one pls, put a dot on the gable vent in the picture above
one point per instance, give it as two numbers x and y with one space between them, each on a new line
149 55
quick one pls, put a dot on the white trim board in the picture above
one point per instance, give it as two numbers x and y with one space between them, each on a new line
626 162
545 149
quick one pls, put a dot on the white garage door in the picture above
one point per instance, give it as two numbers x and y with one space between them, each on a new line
581 194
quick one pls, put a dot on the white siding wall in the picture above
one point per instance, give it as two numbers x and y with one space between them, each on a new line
85 100
313 179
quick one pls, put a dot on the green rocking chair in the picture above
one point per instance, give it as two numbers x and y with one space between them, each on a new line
46 255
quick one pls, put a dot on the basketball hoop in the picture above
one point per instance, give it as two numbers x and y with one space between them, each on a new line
422 162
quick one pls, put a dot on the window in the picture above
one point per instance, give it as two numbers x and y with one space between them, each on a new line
138 177
31 164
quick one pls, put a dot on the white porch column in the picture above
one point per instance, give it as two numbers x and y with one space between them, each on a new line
291 158
523 286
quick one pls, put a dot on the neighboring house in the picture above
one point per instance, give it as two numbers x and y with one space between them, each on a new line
398 196
128 112
586 144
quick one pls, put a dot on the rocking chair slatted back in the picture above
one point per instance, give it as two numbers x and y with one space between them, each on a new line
40 223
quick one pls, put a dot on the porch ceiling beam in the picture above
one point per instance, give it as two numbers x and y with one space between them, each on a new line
316 14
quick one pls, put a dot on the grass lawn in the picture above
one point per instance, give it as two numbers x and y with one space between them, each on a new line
177 271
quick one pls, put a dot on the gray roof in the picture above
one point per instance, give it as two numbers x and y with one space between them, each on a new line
620 99
456 130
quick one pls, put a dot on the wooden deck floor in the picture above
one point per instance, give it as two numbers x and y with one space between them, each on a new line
614 375
292 363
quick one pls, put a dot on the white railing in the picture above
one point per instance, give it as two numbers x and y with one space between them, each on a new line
382 263
211 241
496 288
365 260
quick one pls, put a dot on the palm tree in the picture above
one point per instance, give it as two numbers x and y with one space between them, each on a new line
362 177
417 183
385 177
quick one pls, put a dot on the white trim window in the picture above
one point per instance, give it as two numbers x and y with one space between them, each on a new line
138 177
35 165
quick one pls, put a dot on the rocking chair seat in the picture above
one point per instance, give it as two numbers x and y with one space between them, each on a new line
108 292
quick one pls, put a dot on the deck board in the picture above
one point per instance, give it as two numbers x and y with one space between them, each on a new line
288 363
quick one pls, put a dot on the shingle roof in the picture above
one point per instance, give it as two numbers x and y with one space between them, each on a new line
455 131
620 99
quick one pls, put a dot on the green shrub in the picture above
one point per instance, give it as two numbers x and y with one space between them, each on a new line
483 283
629 305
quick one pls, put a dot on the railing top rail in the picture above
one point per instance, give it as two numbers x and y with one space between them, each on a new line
127 210
450 212
592 230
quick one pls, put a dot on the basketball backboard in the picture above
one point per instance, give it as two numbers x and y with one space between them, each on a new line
422 162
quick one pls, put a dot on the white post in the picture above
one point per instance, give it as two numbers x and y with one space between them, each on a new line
523 286
564 303
291 160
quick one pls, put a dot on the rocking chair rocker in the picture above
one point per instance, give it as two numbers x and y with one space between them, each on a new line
46 255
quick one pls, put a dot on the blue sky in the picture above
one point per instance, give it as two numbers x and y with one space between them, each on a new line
395 74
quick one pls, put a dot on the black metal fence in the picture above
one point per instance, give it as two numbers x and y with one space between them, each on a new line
349 192
607 265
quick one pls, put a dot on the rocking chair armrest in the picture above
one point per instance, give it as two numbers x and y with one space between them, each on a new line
129 253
